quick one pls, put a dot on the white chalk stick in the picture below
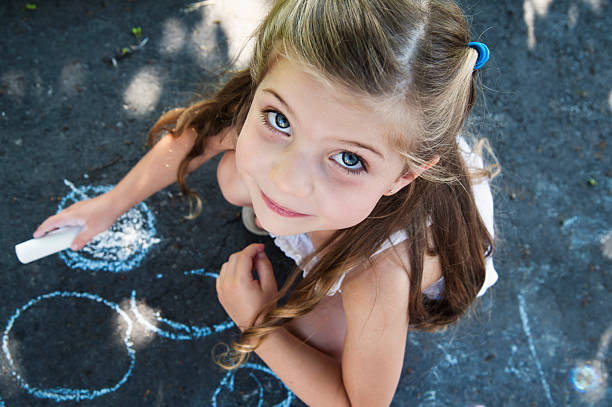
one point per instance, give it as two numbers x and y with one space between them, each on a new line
52 242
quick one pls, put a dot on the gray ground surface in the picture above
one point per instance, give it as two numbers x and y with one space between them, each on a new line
65 114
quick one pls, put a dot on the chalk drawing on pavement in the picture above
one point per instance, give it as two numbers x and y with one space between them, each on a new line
62 393
532 348
590 378
230 390
174 330
118 249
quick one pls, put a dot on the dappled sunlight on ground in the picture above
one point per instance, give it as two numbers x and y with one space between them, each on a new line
533 9
11 361
530 9
140 336
72 78
606 245
173 39
205 42
596 5
142 94
227 27
238 19
14 84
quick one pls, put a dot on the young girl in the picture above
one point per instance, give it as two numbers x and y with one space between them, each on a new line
342 136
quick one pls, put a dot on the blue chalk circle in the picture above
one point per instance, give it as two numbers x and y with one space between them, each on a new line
118 249
176 330
61 393
256 373
584 378
589 378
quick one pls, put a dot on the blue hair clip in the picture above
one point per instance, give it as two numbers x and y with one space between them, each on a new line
483 53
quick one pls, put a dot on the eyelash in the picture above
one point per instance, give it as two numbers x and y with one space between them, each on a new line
266 122
264 118
360 171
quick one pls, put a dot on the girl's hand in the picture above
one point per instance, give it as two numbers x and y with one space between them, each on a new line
95 215
240 294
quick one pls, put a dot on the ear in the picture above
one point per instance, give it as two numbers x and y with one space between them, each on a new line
410 176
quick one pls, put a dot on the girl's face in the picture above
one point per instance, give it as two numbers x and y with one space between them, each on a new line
311 158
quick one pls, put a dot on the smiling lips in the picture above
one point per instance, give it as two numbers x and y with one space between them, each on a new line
279 209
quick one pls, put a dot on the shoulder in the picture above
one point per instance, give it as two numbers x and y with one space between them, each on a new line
388 273
384 276
230 183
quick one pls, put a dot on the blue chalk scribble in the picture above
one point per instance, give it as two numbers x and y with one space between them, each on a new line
228 384
1 402
181 332
201 272
119 249
60 393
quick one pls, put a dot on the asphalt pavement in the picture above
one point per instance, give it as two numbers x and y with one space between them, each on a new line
132 320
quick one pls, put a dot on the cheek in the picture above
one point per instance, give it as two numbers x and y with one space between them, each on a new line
248 147
349 212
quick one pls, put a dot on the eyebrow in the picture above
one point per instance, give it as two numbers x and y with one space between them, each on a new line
364 146
351 142
280 99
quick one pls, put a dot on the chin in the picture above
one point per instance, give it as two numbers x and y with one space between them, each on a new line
283 230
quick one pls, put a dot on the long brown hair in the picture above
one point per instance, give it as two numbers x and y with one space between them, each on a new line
410 59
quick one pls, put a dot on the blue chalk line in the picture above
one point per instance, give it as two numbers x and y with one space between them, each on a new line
229 383
60 393
260 388
532 349
201 272
120 252
186 332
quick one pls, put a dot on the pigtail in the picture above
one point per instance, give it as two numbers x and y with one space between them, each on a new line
208 117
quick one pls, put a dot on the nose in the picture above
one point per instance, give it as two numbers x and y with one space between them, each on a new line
290 172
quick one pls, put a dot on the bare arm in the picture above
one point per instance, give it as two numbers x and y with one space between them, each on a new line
156 170
313 376
376 307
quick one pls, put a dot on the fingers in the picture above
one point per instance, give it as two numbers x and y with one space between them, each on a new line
240 265
82 239
245 261
55 222
265 272
48 225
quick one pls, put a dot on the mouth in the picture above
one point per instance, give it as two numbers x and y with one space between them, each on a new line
279 209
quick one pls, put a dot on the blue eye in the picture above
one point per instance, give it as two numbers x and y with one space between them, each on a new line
349 161
278 121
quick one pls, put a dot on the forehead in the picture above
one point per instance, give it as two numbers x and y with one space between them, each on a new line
319 100
390 117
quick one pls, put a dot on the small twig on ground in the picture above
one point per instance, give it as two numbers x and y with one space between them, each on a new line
125 52
101 167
